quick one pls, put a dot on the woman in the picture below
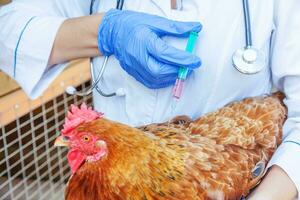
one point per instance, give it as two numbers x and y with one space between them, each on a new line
37 36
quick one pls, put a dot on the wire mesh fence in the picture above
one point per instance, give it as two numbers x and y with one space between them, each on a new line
31 168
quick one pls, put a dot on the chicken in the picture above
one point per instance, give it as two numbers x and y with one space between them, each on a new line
221 155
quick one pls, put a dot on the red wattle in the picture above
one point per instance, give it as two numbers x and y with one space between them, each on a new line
75 159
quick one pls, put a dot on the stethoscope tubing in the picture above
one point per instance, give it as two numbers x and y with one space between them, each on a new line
119 6
96 80
248 32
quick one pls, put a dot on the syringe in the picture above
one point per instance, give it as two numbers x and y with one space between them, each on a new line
183 71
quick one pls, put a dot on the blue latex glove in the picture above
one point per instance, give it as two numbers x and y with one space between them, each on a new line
135 40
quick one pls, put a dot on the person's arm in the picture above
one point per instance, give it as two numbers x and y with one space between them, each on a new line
76 38
275 186
27 34
282 182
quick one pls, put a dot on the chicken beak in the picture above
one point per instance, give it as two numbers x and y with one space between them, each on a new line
61 142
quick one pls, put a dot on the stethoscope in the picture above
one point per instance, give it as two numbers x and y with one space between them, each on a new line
95 80
247 60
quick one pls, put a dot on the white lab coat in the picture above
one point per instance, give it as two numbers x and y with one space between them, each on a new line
28 29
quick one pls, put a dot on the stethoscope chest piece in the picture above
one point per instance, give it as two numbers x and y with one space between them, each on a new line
249 60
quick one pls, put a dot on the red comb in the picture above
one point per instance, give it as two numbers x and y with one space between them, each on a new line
77 115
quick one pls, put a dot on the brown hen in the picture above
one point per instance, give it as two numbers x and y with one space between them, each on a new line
221 155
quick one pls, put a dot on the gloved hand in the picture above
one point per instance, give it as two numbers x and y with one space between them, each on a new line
135 40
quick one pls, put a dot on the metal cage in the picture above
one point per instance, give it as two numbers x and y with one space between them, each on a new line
31 168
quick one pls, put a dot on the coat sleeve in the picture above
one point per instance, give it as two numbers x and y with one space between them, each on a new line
285 62
28 30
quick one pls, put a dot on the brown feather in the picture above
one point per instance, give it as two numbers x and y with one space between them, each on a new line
209 158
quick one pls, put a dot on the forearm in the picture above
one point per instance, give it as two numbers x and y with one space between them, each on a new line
76 38
275 186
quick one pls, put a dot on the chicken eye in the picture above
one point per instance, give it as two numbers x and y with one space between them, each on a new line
86 138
